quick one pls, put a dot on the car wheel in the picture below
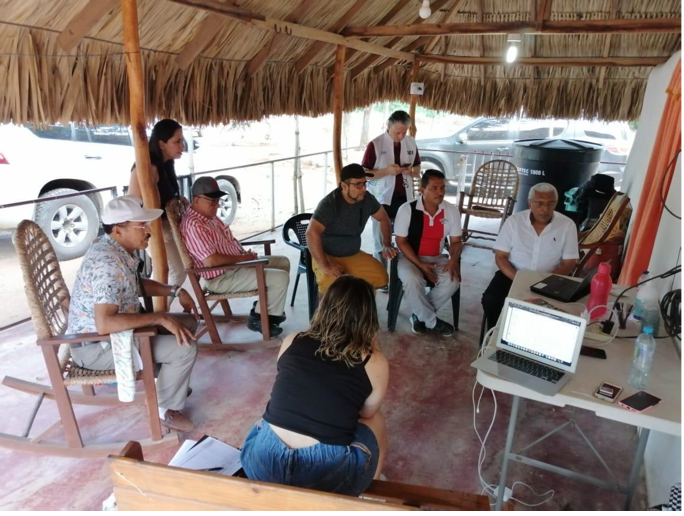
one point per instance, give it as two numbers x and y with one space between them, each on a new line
70 224
229 203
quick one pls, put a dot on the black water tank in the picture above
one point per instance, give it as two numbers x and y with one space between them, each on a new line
563 163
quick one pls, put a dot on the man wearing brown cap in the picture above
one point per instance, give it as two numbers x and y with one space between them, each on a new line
211 244
334 234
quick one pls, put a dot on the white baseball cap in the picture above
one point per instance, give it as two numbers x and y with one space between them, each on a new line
128 208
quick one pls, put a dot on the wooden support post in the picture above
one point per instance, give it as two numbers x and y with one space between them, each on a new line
129 12
338 108
414 100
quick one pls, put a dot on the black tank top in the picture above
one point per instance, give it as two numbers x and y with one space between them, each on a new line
167 183
316 396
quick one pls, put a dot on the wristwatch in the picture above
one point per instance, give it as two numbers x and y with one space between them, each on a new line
174 291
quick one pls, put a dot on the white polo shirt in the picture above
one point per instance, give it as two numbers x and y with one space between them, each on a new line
447 216
532 252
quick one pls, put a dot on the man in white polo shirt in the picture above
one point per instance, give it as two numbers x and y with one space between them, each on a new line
537 239
421 226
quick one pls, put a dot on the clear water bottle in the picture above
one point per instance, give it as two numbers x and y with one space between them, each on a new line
644 349
650 317
646 294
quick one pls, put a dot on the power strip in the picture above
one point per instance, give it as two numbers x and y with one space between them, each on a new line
507 493
594 332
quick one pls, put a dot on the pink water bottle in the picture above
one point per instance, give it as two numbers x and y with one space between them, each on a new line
600 289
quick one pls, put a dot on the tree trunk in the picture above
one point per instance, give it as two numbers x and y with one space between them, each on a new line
364 127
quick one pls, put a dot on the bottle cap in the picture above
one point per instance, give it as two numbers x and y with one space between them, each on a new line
604 268
647 329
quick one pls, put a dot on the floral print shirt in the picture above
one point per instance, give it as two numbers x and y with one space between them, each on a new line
108 275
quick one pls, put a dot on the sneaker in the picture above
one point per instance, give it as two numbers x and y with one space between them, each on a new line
444 328
254 324
273 319
176 420
417 326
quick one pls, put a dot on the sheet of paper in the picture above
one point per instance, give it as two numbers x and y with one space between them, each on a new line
180 454
210 454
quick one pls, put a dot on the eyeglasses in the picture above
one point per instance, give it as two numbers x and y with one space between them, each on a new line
146 225
541 204
359 185
213 202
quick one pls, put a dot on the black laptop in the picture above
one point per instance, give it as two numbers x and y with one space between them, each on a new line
564 289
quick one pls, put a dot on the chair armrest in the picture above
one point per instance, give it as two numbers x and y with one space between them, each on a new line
296 245
258 242
78 338
239 265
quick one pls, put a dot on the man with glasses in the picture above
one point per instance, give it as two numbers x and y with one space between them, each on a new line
537 239
334 234
211 244
106 300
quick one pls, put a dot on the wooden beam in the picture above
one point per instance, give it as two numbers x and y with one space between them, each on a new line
545 61
384 21
340 24
423 40
261 56
447 17
293 29
371 60
606 46
621 26
543 14
414 100
206 31
480 19
338 108
83 22
136 90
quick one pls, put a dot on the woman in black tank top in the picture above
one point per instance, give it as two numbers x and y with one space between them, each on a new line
322 428
166 144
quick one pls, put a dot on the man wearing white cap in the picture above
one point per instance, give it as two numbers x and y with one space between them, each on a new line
106 300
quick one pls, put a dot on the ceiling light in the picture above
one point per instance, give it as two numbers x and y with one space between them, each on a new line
425 10
512 52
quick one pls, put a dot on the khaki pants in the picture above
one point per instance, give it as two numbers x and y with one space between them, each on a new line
176 363
277 273
361 265
177 274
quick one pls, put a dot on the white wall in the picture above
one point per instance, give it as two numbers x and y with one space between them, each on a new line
663 453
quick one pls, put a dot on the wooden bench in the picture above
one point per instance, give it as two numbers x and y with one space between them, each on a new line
140 486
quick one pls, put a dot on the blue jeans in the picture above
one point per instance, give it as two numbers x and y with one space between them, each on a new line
335 469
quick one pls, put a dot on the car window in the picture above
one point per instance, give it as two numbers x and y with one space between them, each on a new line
530 129
110 134
492 129
596 134
51 132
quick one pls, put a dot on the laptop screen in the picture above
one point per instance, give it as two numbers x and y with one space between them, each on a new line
541 333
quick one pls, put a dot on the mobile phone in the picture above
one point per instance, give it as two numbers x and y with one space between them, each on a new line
588 351
608 392
639 402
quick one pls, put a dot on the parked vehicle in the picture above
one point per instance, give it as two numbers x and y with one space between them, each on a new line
496 135
54 160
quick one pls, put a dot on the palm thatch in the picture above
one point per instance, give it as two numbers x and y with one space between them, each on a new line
41 83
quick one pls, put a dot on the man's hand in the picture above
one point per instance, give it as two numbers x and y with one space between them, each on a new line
188 303
389 252
183 335
395 169
453 269
249 255
332 269
428 271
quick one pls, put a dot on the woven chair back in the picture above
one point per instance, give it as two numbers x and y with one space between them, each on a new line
175 209
613 222
494 182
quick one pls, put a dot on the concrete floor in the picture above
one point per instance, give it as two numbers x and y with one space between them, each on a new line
428 409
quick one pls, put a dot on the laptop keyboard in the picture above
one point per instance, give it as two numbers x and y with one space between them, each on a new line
565 288
524 365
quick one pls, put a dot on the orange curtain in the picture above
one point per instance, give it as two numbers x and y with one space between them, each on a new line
650 210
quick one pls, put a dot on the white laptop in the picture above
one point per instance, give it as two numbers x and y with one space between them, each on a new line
536 347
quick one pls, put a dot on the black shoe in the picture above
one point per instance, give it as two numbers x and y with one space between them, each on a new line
273 319
384 290
444 328
417 326
254 324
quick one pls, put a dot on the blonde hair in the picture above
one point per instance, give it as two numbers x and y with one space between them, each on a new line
346 321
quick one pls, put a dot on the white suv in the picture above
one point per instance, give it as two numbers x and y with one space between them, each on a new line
50 161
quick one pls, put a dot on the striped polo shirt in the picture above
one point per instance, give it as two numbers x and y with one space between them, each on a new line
204 237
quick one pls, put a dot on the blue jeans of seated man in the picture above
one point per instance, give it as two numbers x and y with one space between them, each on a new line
345 470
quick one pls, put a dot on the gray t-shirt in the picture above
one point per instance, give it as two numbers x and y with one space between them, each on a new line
344 222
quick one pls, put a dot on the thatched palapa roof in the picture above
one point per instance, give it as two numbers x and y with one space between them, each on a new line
203 67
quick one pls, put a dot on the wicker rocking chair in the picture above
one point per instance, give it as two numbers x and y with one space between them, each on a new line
175 209
48 298
492 196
